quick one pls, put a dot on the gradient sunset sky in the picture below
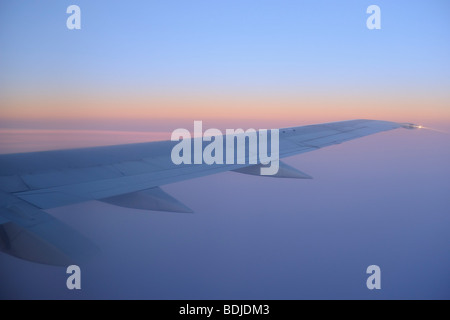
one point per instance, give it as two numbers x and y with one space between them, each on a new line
158 65
149 67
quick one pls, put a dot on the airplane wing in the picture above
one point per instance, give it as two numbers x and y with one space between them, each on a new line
123 175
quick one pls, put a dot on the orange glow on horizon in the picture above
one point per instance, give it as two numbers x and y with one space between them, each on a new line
275 109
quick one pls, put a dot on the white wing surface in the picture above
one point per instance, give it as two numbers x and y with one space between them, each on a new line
124 175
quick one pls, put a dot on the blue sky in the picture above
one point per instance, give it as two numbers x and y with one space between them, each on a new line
207 45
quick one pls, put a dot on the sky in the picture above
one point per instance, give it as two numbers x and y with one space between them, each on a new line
138 70
153 65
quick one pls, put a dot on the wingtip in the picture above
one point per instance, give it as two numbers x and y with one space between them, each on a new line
410 126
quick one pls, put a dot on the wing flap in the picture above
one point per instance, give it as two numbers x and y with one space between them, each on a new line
47 199
48 179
